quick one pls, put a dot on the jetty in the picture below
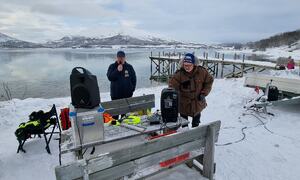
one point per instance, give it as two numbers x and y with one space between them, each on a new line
164 65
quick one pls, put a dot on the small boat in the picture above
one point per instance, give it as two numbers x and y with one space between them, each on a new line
285 81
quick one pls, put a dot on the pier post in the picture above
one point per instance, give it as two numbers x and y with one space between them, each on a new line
233 71
243 66
151 69
217 72
222 70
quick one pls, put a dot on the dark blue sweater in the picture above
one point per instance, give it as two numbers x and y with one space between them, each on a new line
122 83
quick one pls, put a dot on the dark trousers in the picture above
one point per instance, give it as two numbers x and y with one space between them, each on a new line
196 119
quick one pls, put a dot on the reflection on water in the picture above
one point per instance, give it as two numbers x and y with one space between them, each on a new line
45 72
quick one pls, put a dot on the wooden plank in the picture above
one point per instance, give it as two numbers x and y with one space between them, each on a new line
134 152
68 170
144 163
115 172
209 151
123 106
130 108
155 169
116 103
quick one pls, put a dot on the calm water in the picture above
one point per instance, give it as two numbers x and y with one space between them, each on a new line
45 72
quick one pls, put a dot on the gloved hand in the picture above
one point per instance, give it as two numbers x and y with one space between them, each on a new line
201 97
186 84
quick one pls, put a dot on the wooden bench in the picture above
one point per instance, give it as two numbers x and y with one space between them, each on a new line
139 157
122 106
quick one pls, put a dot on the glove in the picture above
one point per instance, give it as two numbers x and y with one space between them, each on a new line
186 84
201 97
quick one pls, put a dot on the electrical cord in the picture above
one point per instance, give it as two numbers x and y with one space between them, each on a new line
247 127
262 123
237 141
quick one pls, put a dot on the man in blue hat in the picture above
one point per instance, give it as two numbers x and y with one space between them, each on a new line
122 77
193 83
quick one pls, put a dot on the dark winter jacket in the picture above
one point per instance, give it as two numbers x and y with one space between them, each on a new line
122 83
192 88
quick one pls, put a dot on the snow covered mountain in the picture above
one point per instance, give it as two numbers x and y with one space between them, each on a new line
81 41
10 42
4 38
102 41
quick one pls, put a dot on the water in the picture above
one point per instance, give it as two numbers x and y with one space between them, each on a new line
44 73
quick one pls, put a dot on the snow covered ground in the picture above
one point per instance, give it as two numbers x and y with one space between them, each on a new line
270 152
272 53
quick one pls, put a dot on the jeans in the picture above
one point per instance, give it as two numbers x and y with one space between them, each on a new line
195 121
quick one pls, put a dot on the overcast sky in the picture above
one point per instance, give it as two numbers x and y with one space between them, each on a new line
210 21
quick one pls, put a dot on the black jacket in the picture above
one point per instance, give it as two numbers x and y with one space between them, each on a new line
122 83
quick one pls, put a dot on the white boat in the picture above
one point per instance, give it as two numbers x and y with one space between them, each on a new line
285 81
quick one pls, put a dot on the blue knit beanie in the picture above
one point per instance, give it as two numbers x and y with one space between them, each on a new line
189 58
120 54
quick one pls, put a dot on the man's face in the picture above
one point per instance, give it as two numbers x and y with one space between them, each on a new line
120 60
188 67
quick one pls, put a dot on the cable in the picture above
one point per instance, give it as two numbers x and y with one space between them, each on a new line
237 141
262 123
247 127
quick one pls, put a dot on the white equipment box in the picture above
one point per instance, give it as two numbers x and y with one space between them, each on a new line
87 125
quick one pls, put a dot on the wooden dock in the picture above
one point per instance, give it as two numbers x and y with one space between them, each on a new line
163 67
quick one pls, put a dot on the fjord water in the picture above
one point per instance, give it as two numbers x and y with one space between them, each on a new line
44 73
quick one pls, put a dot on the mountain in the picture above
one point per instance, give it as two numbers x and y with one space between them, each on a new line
107 42
5 38
81 41
10 42
290 39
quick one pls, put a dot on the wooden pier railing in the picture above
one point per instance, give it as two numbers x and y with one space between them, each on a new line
164 65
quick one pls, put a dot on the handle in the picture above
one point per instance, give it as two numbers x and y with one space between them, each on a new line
75 70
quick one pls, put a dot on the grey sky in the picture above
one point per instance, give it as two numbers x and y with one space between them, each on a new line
210 21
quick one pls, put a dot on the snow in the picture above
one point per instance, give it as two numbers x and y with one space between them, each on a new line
4 38
290 74
272 53
270 152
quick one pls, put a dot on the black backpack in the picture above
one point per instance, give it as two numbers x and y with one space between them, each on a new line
273 93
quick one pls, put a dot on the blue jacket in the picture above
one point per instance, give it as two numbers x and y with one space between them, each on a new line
122 83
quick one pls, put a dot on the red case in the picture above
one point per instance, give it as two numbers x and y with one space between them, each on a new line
64 119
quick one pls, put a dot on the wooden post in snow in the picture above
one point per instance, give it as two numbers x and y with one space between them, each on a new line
222 70
243 66
209 154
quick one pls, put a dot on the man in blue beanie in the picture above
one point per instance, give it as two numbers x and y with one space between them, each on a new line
193 83
122 77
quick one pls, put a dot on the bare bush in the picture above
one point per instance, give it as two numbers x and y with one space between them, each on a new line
7 91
